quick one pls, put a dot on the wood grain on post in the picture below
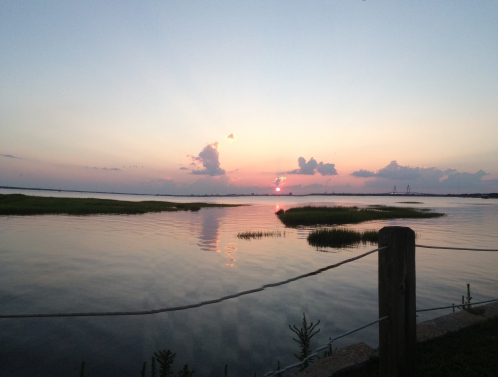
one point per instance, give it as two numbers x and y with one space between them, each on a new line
397 334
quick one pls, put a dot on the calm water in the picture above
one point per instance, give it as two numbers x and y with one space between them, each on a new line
134 262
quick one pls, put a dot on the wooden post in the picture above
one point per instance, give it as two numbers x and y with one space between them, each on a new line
397 334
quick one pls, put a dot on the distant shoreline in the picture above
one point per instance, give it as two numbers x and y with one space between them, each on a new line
476 195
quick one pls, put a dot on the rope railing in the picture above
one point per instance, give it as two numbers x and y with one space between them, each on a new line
457 306
185 307
321 348
454 248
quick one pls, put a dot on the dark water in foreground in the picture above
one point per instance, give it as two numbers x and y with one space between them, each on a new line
101 263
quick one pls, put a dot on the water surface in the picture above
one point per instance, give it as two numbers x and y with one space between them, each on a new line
136 262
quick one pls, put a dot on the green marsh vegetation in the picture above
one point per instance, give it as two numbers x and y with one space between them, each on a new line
18 204
304 335
257 235
466 305
339 238
350 215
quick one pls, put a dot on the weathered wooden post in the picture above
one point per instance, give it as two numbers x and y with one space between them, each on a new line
397 334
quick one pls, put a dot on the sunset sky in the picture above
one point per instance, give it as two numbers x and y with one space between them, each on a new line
191 97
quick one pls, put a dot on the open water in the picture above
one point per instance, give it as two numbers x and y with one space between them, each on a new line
135 262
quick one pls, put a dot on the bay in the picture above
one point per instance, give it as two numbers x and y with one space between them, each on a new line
137 262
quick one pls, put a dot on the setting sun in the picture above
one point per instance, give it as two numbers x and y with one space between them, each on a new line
277 189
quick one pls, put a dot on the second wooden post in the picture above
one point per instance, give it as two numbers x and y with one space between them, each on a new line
397 334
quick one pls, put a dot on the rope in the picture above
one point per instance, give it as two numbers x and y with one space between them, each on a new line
185 307
454 248
315 353
456 306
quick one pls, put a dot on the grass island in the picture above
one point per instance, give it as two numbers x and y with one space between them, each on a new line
19 204
309 215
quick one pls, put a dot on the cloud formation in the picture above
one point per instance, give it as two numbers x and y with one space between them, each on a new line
398 172
209 157
184 168
425 178
231 136
10 156
278 181
310 167
107 169
395 171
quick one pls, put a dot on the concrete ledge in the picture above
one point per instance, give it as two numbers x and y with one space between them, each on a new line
347 357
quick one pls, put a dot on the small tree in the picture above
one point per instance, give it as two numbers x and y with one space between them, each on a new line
304 334
466 306
185 372
165 360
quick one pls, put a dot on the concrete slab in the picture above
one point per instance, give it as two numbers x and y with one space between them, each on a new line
456 321
491 310
429 330
347 357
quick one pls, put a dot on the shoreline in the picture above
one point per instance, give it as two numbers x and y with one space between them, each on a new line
390 194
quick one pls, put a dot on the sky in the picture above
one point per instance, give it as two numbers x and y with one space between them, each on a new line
240 97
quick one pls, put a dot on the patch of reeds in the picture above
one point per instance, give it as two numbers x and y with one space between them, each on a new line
257 235
338 238
350 215
18 204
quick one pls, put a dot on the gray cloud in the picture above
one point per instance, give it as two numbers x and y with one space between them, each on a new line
309 168
108 169
326 169
10 156
398 172
425 179
363 174
231 136
184 168
278 181
210 159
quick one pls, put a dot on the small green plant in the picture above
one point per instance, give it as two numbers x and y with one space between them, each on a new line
466 306
82 370
185 372
153 367
304 334
328 352
249 235
165 360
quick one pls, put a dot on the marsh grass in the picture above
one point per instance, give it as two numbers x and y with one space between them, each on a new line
338 238
18 204
257 235
350 215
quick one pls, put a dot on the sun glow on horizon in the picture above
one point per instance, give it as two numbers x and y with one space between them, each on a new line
277 189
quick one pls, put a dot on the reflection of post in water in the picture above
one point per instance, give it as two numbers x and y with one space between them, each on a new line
210 231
